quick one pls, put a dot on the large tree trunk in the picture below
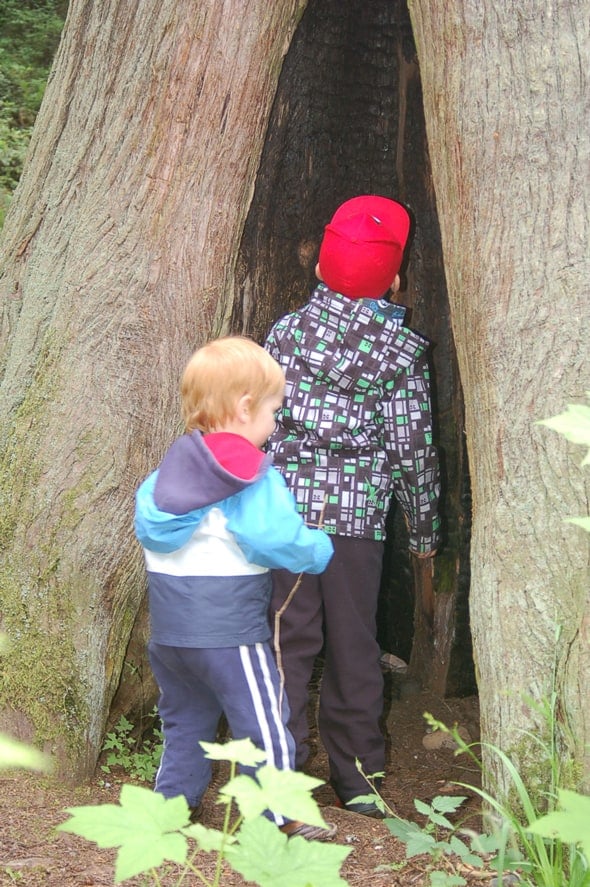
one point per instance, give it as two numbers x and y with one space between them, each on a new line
118 259
505 94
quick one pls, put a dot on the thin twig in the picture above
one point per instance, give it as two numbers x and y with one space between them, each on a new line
277 622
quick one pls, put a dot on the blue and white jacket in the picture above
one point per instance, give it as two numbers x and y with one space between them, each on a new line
213 520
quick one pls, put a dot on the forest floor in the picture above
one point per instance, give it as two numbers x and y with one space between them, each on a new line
33 853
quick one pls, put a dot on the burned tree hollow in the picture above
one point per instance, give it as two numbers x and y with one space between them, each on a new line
348 119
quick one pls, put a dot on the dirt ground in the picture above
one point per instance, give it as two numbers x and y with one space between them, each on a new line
32 853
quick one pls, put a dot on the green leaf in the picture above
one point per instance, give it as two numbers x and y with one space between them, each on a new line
371 798
444 879
422 807
573 424
140 826
16 754
402 829
267 857
209 839
487 844
431 810
438 819
571 824
420 843
448 803
237 751
460 848
138 854
583 522
285 792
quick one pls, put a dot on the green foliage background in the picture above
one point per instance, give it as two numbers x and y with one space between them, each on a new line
30 31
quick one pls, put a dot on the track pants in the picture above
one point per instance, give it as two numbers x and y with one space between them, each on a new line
336 610
196 686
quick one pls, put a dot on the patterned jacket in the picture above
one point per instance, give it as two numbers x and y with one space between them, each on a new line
355 427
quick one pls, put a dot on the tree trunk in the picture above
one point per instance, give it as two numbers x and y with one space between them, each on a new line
505 90
118 259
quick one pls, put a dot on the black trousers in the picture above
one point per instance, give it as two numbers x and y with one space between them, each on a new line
336 611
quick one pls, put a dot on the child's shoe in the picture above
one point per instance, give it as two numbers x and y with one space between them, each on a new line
195 813
309 832
368 809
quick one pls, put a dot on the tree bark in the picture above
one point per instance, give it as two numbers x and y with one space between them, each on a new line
118 258
505 90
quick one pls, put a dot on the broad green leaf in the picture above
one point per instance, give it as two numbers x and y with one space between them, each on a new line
420 843
448 803
140 854
402 829
16 754
487 844
422 807
439 819
267 857
571 824
583 522
209 839
140 811
371 798
461 849
143 826
430 810
573 424
445 879
285 792
237 751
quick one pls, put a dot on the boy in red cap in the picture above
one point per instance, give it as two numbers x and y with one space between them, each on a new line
353 433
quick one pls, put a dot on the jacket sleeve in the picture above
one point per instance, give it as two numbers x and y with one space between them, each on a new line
268 528
412 456
158 530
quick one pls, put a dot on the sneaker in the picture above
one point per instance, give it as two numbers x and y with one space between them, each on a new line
195 813
309 832
368 809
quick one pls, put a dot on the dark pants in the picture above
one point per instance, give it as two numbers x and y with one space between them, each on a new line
336 610
196 686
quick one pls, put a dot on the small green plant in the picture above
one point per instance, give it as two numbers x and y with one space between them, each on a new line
139 761
438 838
528 834
538 862
568 822
148 829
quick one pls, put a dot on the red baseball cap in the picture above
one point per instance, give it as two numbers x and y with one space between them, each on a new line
363 246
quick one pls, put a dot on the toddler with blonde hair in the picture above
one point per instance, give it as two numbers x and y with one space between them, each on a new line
213 520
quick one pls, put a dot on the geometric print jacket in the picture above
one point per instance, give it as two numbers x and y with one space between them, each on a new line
355 429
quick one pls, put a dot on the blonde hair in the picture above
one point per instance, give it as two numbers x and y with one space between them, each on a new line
219 374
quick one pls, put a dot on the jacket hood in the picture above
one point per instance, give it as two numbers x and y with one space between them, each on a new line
192 476
370 342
